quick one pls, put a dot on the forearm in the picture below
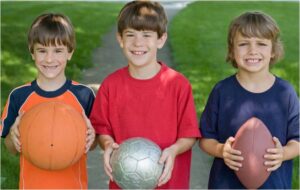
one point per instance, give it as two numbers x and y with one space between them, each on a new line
104 141
182 145
212 147
9 145
291 150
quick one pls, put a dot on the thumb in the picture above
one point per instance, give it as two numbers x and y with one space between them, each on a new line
163 158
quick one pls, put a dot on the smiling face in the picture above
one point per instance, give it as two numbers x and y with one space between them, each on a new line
140 47
252 54
51 61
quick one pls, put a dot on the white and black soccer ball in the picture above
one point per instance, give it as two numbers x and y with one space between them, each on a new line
135 164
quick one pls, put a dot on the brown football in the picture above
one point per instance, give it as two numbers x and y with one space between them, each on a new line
253 139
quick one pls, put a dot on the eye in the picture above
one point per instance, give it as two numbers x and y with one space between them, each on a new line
129 35
262 44
242 44
58 51
41 51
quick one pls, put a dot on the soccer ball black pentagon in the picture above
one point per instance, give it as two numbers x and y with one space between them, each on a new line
135 164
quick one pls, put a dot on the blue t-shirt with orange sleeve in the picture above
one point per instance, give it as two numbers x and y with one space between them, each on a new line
21 99
230 105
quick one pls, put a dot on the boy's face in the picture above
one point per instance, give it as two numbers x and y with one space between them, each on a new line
252 54
140 47
51 60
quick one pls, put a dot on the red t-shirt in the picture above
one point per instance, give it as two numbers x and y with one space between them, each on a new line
160 109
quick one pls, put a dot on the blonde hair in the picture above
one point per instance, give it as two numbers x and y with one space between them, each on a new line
51 29
255 24
143 15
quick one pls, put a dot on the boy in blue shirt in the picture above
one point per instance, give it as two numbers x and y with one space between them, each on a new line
253 45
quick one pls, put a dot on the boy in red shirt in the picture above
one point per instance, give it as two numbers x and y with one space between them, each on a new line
51 42
147 98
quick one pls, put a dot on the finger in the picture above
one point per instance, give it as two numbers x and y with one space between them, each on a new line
162 158
165 179
233 168
234 152
108 173
236 158
230 140
273 168
273 156
106 157
272 163
233 163
115 145
277 142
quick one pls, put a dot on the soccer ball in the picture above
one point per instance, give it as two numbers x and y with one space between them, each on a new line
135 164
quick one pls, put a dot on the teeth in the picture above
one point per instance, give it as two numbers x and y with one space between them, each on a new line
50 67
252 60
138 52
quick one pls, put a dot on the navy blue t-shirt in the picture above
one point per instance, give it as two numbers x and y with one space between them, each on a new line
230 105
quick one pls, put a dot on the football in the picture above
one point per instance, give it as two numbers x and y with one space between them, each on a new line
135 164
52 135
253 139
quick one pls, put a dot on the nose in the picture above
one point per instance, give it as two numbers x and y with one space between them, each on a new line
49 57
138 41
252 49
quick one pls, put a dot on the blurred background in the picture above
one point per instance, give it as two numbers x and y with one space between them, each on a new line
197 48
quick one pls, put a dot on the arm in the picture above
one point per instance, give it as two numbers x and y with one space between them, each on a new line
279 154
169 154
231 156
108 144
12 141
90 134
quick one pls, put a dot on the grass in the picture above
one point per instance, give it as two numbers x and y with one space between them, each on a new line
90 19
199 47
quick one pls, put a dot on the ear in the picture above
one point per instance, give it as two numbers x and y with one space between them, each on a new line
120 39
70 55
162 40
32 56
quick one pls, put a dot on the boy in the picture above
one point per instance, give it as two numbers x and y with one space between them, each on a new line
253 45
146 98
51 42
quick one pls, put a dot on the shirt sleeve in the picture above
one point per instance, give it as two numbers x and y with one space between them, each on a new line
187 117
9 115
209 118
100 113
293 117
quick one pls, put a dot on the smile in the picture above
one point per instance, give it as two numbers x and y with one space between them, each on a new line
50 67
253 61
138 52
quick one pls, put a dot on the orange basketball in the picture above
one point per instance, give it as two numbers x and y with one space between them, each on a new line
52 135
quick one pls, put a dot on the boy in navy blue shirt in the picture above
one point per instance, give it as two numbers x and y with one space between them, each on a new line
253 45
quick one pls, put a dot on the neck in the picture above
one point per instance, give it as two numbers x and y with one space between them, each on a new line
255 82
145 72
50 85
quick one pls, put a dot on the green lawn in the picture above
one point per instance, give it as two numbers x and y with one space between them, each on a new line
90 19
199 47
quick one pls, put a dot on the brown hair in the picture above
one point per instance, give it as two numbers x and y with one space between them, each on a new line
51 29
143 15
255 24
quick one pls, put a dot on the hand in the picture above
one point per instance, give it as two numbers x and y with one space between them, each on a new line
167 158
14 133
232 157
274 156
106 158
90 133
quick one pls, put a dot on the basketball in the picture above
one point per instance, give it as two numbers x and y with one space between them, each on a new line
253 139
135 164
52 135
